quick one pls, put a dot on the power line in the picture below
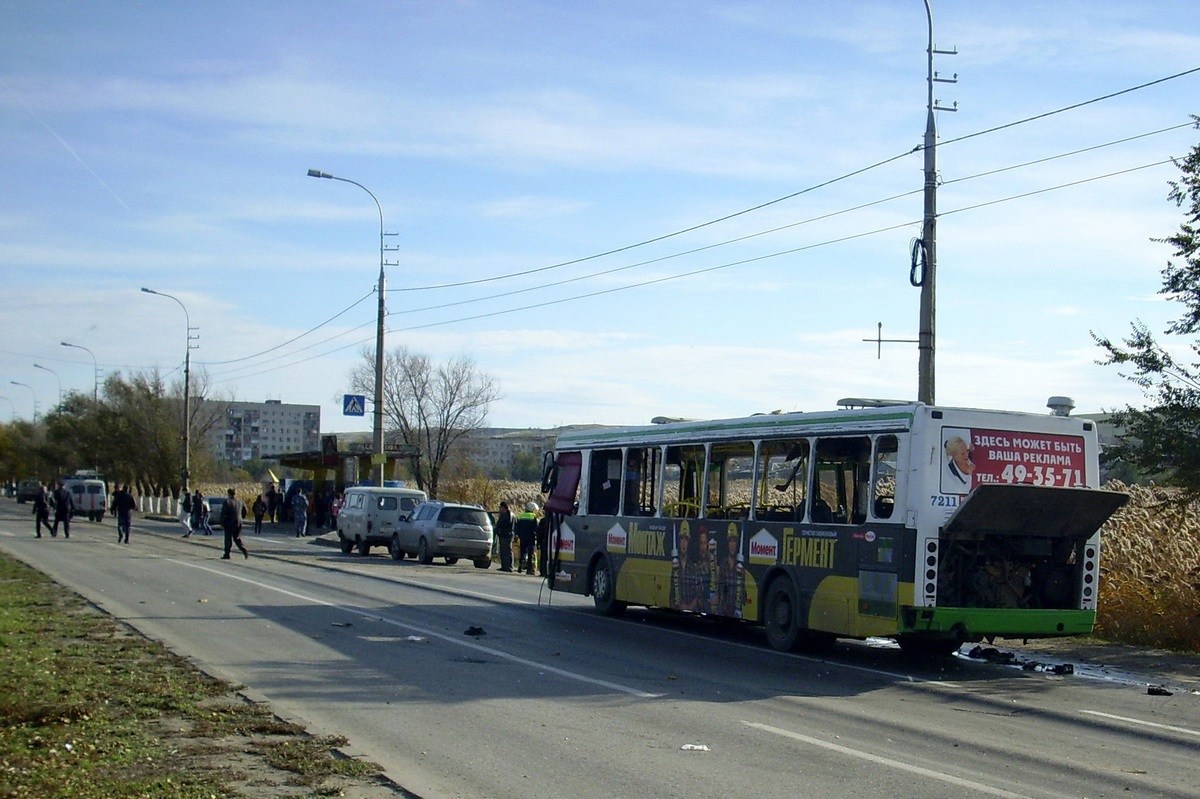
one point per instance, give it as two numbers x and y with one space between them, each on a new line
831 181
706 270
792 251
295 338
746 237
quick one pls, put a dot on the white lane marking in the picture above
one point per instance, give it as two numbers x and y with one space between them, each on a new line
884 761
376 616
1155 725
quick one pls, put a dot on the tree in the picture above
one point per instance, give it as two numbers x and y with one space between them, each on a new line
1163 440
430 406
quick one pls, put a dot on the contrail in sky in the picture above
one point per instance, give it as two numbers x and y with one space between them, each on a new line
68 148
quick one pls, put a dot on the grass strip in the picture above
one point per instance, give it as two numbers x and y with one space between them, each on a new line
90 709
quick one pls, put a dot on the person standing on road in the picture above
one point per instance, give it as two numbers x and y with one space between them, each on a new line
504 533
197 503
300 512
232 513
543 544
41 511
525 528
259 508
185 513
201 511
123 505
63 505
273 503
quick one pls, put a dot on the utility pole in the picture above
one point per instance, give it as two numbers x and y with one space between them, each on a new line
924 266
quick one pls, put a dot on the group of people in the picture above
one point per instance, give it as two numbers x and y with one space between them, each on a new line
195 513
530 530
58 501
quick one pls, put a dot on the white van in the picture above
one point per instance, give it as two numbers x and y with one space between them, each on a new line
89 496
369 515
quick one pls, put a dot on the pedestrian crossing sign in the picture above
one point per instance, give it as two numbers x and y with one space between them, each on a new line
354 405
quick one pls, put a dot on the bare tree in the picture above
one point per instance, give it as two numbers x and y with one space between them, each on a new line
432 406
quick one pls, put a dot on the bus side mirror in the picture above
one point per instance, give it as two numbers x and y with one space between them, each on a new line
549 472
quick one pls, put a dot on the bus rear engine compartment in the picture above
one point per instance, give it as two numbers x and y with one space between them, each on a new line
1024 547
1003 571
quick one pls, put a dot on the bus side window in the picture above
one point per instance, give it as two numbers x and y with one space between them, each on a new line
883 480
782 480
841 479
604 482
729 490
641 482
681 481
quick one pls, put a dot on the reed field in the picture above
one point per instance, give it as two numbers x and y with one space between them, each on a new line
1150 571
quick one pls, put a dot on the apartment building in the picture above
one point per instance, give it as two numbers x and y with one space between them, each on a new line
253 430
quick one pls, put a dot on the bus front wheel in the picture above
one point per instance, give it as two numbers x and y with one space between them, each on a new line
782 615
604 589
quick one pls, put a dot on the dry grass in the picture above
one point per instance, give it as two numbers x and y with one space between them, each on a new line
1150 571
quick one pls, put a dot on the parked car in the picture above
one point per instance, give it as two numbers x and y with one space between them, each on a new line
370 514
443 529
89 494
215 505
27 490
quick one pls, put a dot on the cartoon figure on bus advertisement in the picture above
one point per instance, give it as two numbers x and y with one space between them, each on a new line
733 576
686 577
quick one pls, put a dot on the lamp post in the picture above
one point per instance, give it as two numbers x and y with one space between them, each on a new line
95 368
187 386
377 428
32 394
51 371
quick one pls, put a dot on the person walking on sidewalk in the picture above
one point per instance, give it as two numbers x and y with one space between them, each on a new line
232 513
41 511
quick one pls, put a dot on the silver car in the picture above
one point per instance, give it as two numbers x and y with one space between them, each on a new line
446 530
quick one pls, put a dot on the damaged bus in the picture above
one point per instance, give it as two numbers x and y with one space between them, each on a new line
933 526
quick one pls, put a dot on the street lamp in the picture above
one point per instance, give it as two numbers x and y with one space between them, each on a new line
377 429
32 394
187 386
51 371
95 367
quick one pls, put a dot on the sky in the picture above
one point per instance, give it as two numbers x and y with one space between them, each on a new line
617 210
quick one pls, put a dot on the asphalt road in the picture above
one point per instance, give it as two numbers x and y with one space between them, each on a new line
554 701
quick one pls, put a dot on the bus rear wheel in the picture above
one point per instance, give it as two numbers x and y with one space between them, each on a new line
604 589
